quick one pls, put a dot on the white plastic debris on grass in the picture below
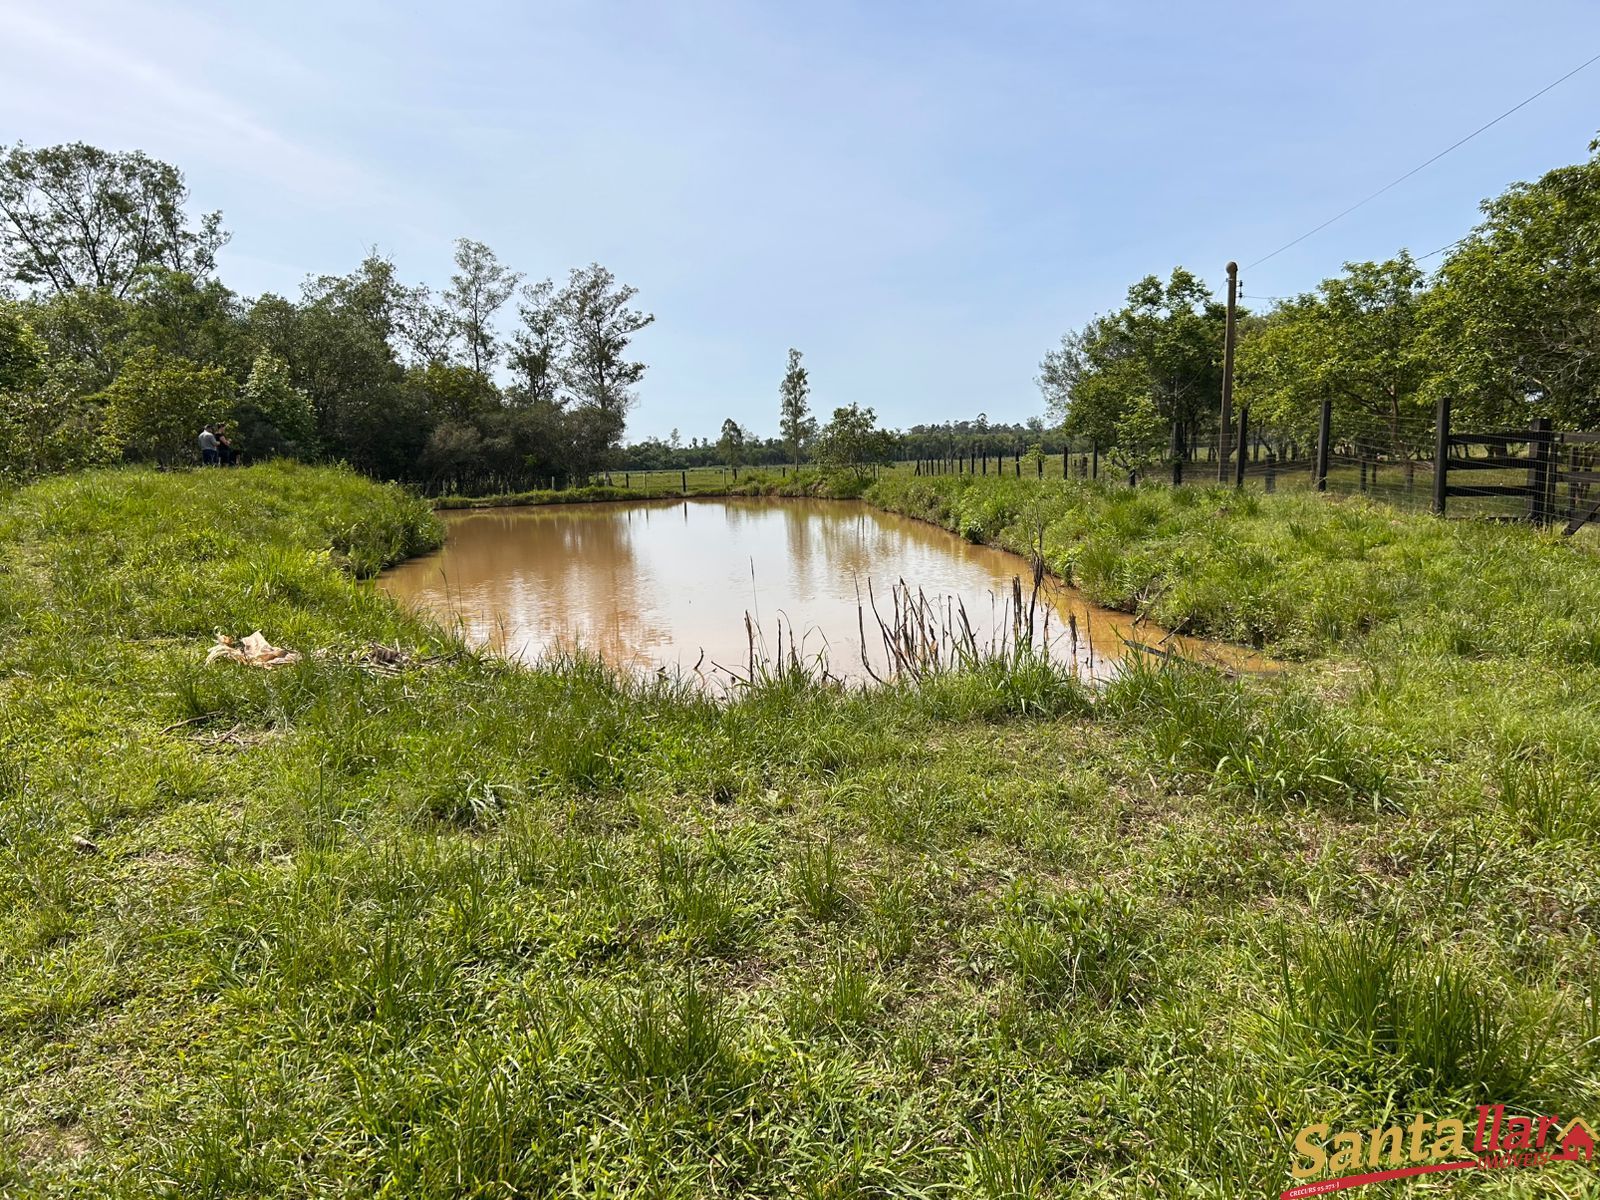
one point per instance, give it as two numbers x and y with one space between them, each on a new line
252 651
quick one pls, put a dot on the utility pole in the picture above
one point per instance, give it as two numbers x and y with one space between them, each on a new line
1225 429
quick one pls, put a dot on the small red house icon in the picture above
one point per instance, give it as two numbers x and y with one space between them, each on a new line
1577 1141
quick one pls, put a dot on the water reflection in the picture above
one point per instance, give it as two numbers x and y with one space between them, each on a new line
668 584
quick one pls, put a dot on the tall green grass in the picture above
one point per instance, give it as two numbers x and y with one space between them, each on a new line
1300 573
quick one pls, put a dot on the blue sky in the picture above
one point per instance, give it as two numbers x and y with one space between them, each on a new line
922 197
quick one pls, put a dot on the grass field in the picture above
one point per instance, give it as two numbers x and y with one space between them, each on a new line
432 925
1391 482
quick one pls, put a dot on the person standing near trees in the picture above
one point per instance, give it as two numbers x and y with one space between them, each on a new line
227 456
208 447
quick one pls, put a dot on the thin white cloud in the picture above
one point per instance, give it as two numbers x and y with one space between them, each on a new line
122 85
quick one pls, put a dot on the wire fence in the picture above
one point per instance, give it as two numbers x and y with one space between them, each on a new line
1420 460
1404 457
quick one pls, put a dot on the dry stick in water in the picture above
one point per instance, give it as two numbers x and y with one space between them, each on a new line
861 627
891 657
966 625
750 635
930 628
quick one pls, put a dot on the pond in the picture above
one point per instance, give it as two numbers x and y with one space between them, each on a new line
696 587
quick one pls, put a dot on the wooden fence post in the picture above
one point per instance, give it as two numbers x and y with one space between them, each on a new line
685 477
1324 440
1441 454
1540 448
1244 446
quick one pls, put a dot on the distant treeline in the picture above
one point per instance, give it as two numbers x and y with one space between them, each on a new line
1507 326
118 342
950 439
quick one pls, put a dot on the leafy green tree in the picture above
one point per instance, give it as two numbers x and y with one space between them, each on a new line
22 351
731 444
339 344
536 347
1141 436
478 290
1160 354
44 431
1090 380
87 332
596 328
75 216
187 317
852 440
458 392
157 405
795 421
34 436
274 418
1514 320
1356 340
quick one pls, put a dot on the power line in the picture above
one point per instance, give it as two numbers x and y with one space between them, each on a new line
1429 163
1442 249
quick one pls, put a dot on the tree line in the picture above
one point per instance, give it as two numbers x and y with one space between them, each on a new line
1507 327
118 342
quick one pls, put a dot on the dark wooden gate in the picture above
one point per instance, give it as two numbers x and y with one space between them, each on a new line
1556 472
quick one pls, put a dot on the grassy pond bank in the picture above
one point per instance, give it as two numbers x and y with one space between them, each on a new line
402 918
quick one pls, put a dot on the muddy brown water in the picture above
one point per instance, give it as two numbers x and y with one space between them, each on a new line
667 585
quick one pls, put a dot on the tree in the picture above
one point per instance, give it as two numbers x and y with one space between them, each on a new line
338 344
157 405
478 290
75 216
22 352
1514 321
731 444
1356 341
138 344
87 335
536 347
35 435
44 430
275 419
426 332
456 392
1087 382
596 327
852 440
795 422
1157 359
187 317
